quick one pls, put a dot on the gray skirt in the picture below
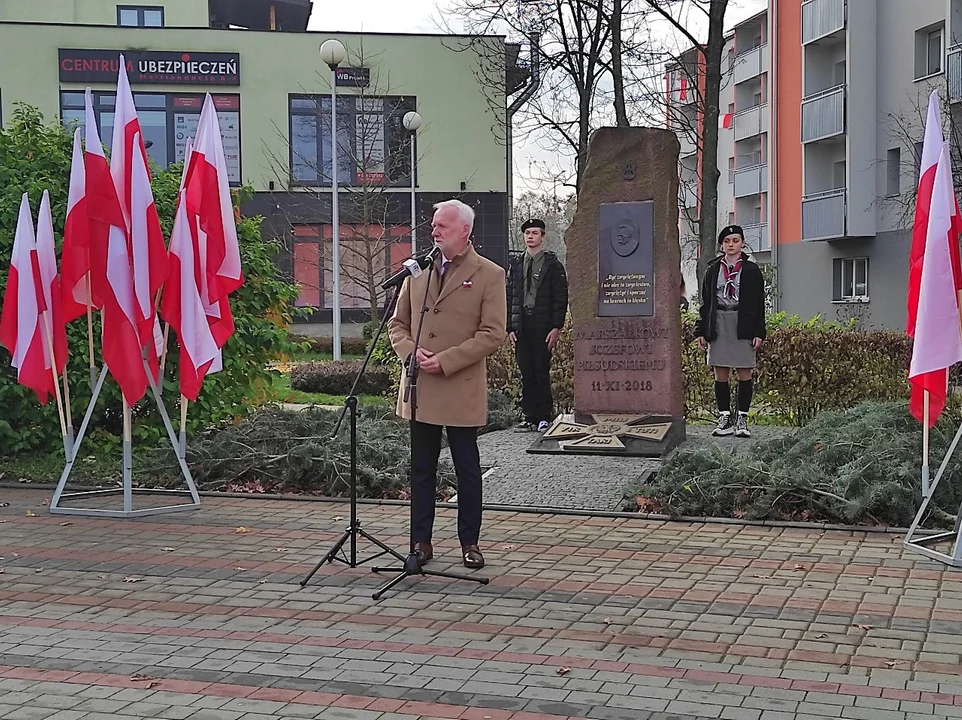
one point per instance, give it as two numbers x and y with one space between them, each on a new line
727 350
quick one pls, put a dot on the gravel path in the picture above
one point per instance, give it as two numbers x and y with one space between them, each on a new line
576 482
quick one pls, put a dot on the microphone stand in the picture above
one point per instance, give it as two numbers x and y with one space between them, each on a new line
411 564
354 528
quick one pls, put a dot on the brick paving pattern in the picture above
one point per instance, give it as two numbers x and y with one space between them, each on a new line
201 616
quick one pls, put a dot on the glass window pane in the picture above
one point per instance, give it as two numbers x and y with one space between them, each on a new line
304 148
107 100
847 272
106 120
72 100
303 104
142 101
154 126
935 52
127 17
153 18
73 118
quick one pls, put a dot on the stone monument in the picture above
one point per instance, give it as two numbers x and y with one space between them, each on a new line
624 274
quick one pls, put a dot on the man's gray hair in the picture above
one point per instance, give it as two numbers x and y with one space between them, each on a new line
465 212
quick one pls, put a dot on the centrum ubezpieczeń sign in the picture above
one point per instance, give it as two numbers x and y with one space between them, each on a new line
150 67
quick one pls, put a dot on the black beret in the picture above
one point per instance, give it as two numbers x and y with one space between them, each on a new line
533 223
730 230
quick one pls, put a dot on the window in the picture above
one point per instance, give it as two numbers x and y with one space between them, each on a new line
167 120
839 73
850 279
838 175
373 148
893 164
731 170
918 161
140 16
388 246
929 51
731 218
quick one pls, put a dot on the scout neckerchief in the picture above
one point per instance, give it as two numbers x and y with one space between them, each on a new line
731 274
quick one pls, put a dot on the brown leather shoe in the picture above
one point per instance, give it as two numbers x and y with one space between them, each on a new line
424 551
472 557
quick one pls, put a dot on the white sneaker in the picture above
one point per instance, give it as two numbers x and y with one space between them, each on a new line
741 426
543 425
725 426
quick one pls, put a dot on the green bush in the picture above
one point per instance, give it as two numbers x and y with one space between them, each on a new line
803 369
337 377
858 466
35 156
325 345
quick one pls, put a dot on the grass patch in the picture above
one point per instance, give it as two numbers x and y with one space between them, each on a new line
280 392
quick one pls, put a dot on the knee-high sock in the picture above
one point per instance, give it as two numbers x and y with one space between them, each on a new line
745 390
723 396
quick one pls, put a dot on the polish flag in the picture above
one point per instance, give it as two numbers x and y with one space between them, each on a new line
128 167
76 241
727 120
50 286
936 381
938 335
210 210
183 306
110 270
683 92
21 329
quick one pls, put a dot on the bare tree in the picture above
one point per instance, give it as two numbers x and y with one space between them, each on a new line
374 171
683 16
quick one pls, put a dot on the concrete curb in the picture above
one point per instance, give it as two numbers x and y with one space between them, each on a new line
527 509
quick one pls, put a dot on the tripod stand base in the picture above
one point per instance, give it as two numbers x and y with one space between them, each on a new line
352 532
412 567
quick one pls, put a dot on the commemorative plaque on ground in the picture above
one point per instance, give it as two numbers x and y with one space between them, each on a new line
623 263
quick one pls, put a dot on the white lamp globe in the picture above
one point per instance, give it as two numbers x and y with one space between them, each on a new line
332 53
411 121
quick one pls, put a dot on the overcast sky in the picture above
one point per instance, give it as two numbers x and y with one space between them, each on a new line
425 16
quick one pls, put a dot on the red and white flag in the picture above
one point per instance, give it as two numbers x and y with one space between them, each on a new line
50 286
935 380
76 241
683 91
182 305
110 269
21 329
938 335
128 167
726 121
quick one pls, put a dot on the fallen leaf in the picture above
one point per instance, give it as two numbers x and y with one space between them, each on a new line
821 636
167 549
280 549
1 571
261 582
563 670
30 513
152 685
607 621
893 663
799 566
864 627
46 501
101 577
240 569
132 579
4 504
38 570
507 547
65 524
241 530
16 554
338 518
139 677
762 577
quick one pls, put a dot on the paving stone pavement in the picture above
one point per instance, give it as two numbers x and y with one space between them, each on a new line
577 482
200 616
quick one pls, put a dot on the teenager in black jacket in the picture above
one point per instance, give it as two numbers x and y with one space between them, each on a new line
731 322
537 306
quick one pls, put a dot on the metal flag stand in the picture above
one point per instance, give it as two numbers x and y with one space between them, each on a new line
180 451
919 544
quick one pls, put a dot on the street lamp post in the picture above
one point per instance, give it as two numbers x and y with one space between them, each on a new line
333 54
412 121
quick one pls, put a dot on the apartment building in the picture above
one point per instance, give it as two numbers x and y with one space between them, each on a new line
827 102
273 93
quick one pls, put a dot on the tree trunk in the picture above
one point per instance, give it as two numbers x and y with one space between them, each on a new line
617 76
713 52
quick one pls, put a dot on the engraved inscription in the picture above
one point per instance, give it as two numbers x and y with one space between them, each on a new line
628 289
626 259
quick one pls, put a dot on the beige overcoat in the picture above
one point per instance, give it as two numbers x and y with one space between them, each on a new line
465 323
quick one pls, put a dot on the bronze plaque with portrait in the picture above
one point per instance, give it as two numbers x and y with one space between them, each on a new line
625 259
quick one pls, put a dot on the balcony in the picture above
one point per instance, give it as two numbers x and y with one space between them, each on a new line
822 18
752 122
750 64
823 215
953 73
688 192
823 114
757 238
751 181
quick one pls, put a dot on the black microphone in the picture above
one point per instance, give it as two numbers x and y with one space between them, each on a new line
411 267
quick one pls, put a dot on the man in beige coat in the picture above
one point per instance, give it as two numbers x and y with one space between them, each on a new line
464 323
